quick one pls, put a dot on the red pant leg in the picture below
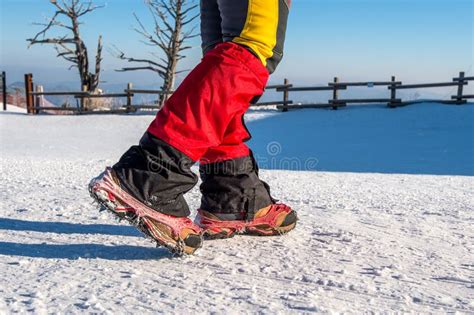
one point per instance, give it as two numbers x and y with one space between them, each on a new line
202 109
231 188
232 145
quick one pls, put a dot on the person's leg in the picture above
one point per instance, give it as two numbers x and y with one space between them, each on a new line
146 188
150 179
207 108
211 32
257 24
154 171
231 188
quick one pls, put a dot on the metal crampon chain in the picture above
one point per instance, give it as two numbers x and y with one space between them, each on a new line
136 221
177 249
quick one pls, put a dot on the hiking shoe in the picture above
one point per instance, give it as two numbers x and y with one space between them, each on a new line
276 219
179 234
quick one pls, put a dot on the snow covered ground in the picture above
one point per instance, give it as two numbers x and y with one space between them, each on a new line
12 109
366 241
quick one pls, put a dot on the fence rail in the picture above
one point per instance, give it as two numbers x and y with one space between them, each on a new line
284 104
367 84
363 100
58 93
427 85
159 92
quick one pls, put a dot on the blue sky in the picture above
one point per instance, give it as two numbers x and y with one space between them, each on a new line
417 40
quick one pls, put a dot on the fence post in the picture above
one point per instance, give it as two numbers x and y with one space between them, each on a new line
335 93
82 102
460 88
129 98
286 96
4 90
28 96
39 99
393 93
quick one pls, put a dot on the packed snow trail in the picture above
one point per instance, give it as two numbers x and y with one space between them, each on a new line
365 241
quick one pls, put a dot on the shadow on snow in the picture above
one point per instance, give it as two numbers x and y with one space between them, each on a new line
67 228
84 251
77 251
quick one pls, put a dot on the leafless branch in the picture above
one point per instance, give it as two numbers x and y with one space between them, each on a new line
170 31
71 47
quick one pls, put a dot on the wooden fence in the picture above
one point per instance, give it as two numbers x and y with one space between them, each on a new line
33 98
392 101
3 76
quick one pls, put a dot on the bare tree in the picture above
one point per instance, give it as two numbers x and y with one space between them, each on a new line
171 18
71 47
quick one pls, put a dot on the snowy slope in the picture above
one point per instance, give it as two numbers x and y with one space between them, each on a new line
365 242
420 139
13 109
